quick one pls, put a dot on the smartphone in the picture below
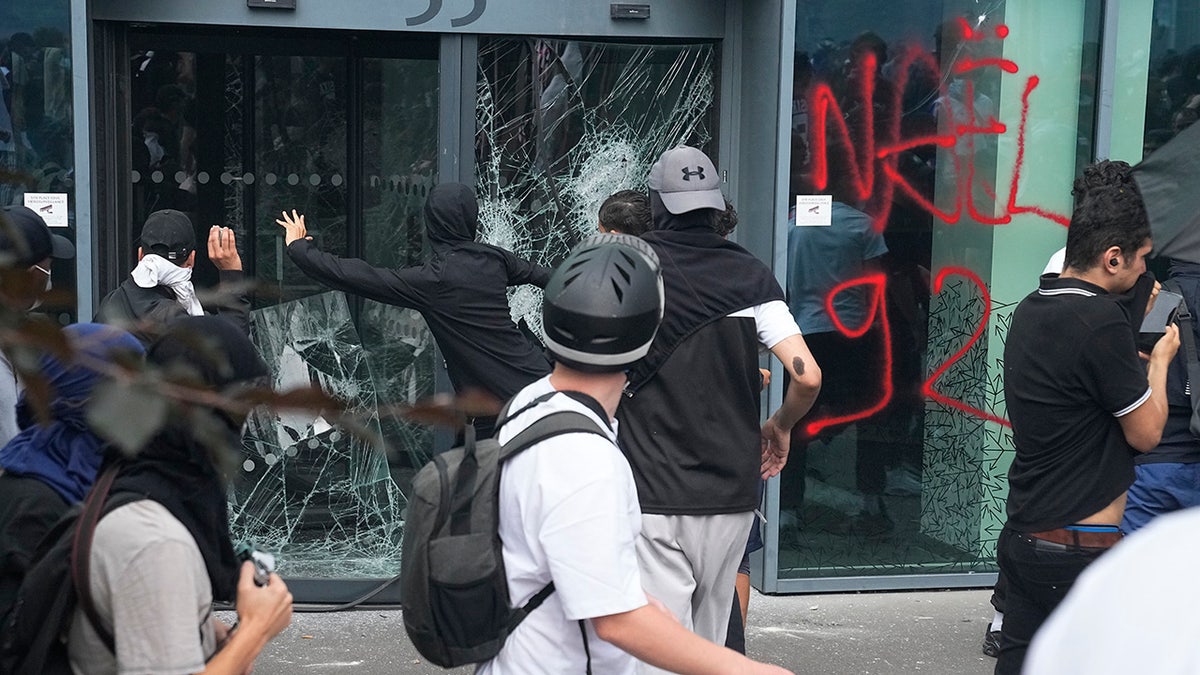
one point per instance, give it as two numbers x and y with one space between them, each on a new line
264 563
1163 314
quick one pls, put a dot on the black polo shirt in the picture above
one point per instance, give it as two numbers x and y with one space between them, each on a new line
1071 368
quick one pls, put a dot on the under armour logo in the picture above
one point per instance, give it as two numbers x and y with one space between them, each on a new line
699 173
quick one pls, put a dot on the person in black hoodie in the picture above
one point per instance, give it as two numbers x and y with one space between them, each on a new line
460 291
690 420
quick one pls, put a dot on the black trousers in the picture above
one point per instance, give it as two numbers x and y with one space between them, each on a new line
1038 575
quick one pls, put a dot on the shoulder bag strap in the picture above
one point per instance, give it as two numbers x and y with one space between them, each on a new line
554 424
95 507
1188 339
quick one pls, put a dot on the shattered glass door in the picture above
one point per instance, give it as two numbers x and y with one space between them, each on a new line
234 129
563 124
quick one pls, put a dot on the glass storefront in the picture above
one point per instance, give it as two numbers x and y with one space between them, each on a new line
944 136
1170 56
933 149
37 150
233 130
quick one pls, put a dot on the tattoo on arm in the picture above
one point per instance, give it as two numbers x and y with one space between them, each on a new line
798 365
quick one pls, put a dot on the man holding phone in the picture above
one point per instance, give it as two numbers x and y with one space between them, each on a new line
1082 405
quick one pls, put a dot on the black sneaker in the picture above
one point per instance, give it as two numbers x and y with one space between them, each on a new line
991 642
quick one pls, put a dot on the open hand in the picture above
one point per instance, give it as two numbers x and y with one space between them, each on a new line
294 227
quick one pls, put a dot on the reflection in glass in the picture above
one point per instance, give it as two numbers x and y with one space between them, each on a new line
1173 86
399 157
37 149
564 124
916 151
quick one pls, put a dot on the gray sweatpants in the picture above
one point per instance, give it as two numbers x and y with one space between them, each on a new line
690 564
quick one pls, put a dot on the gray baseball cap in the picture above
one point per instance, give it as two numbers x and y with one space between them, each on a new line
686 180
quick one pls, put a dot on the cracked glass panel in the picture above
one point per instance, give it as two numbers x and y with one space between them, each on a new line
233 132
563 124
326 502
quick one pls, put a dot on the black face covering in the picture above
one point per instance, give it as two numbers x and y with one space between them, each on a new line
176 468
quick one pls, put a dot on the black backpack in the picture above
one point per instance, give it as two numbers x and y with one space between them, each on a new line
454 590
33 634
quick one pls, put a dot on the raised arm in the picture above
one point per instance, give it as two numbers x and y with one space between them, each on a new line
351 275
233 301
522 271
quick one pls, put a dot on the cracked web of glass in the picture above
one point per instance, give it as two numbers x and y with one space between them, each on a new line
561 126
564 124
326 502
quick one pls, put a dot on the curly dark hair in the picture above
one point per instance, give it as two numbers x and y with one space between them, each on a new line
626 212
1105 173
1108 212
727 220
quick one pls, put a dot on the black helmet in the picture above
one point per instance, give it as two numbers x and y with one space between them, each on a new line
603 304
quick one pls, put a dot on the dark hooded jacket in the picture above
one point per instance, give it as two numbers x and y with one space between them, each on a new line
460 291
156 308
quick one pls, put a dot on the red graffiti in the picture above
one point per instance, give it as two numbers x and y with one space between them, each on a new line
877 312
874 176
927 388
865 161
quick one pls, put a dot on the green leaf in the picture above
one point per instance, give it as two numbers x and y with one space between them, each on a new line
127 414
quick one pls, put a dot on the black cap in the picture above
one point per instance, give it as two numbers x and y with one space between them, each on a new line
34 242
169 233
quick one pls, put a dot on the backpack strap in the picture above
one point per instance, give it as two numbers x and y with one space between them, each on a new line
96 506
586 650
504 414
518 615
1188 339
468 469
554 424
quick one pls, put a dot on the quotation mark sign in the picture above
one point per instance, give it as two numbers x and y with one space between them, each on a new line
435 8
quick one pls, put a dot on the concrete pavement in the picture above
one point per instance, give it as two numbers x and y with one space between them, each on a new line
898 632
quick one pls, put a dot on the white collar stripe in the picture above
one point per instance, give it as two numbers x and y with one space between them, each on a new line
1065 291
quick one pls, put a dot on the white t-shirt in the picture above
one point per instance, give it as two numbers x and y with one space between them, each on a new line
568 513
151 588
773 321
1131 611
